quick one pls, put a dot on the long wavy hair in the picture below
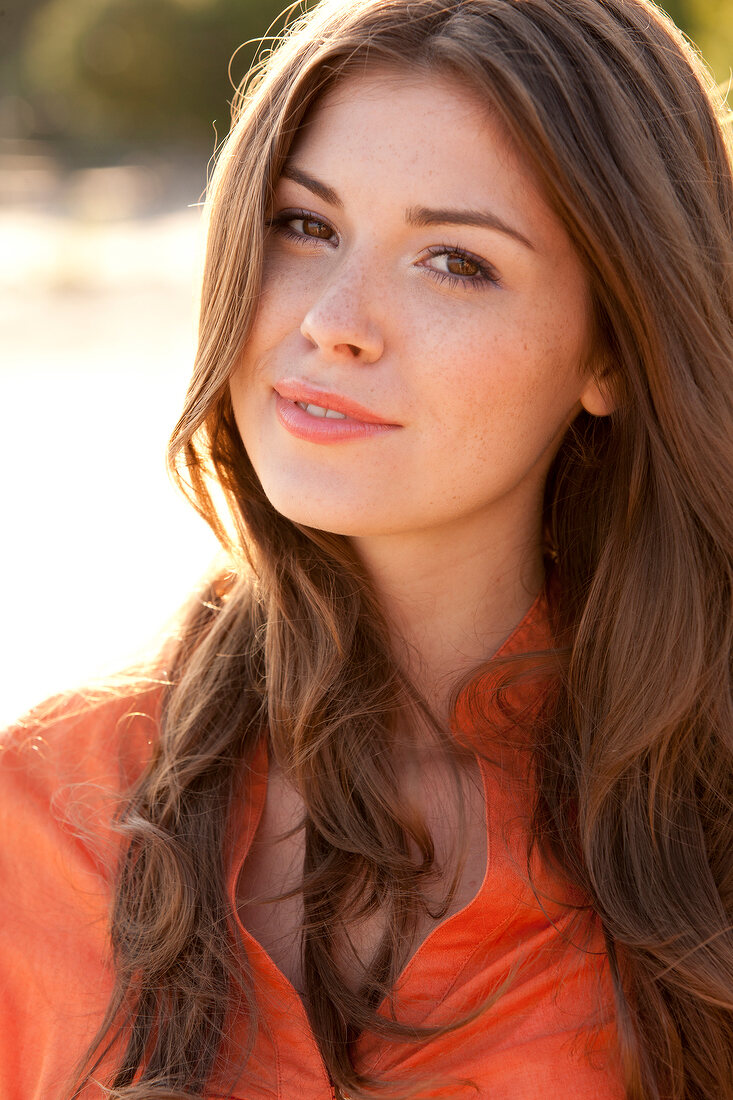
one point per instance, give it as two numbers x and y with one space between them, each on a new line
622 124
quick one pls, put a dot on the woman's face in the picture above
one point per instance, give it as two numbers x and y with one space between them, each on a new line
413 268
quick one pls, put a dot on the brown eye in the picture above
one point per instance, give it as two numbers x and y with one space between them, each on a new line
313 228
460 265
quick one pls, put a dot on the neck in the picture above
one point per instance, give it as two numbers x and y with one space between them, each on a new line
451 598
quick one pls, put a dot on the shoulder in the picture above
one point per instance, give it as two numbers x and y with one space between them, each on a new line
66 764
65 770
81 734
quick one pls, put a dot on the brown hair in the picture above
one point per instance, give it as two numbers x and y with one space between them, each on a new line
620 121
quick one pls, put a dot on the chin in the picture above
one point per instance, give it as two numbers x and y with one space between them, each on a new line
351 519
324 503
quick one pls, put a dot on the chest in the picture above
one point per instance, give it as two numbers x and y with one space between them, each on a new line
270 905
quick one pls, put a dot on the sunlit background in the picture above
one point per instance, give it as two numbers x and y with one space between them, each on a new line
109 113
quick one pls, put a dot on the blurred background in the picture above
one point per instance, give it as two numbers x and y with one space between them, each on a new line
110 111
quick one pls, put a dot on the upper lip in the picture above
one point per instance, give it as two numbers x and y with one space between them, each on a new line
295 390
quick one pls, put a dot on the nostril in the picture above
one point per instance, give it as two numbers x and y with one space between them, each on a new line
354 347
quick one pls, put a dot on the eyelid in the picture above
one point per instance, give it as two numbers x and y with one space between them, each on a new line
279 221
488 273
487 276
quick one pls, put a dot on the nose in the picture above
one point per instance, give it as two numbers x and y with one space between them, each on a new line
340 322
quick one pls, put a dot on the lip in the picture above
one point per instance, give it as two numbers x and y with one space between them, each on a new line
324 429
295 390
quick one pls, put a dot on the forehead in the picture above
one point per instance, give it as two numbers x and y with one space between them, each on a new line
416 136
380 95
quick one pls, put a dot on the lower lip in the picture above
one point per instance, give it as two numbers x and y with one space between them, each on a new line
324 429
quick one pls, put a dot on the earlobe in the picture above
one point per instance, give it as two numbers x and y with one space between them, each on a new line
598 398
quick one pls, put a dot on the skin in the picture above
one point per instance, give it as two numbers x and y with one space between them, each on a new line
483 376
483 379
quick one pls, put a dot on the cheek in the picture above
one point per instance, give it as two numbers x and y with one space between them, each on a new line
506 382
283 295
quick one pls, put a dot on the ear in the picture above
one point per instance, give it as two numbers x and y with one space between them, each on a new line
598 397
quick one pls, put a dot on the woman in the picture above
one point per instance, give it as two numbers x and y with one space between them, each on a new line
431 796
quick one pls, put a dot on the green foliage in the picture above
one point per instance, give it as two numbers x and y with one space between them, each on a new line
710 25
148 72
141 71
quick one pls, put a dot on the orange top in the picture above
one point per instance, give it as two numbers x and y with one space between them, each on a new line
550 1034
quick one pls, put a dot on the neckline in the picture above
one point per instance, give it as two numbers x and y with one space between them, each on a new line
514 641
295 1007
532 628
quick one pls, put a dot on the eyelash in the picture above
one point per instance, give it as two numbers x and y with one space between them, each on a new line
486 275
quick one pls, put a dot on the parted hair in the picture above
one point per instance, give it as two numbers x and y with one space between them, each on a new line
617 116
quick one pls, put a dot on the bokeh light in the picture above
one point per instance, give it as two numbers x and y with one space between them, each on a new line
109 113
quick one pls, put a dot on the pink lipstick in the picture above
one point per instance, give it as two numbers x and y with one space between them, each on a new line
332 418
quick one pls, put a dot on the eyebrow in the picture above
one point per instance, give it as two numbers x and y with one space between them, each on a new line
418 216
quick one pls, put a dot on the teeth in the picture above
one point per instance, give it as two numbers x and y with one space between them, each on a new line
318 410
